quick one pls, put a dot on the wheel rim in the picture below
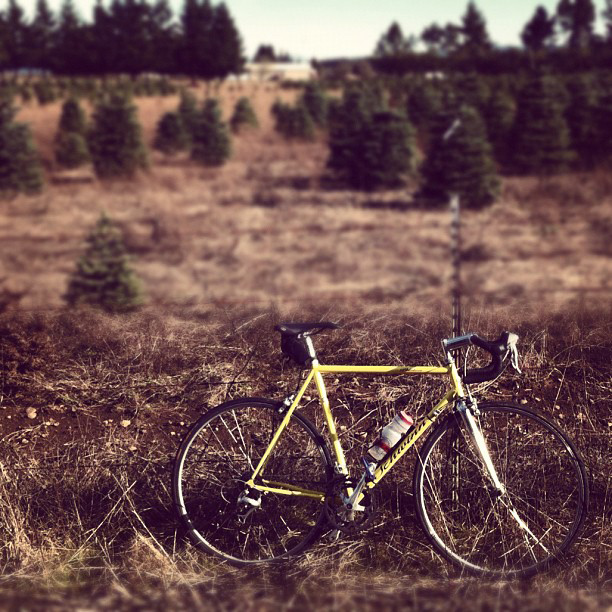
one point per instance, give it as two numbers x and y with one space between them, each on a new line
517 533
222 515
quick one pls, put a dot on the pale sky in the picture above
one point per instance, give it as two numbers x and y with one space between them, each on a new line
323 29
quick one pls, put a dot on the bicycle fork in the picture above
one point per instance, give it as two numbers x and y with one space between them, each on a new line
479 442
481 446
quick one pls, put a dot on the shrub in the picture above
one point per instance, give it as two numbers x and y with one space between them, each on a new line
115 138
243 116
20 167
170 136
103 276
211 145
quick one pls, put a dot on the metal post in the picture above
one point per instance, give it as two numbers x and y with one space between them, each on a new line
456 260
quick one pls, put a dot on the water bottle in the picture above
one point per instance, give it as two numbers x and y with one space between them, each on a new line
389 437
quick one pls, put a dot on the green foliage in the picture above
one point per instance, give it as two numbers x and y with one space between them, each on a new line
115 139
20 167
316 103
581 116
370 147
243 116
293 122
170 136
498 115
188 112
72 118
461 163
540 137
211 144
71 150
45 91
103 276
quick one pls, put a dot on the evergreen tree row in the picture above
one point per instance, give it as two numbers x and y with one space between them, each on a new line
127 37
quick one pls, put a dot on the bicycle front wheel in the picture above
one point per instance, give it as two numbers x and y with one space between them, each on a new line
520 531
218 456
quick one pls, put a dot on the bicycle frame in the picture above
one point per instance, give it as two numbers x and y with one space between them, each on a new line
316 374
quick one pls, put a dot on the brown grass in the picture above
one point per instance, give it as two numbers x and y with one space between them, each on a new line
84 498
93 406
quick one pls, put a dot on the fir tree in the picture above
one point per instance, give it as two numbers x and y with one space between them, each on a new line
188 112
316 103
392 43
498 115
20 168
41 35
211 144
540 137
603 121
476 39
170 136
115 139
461 163
577 18
103 276
370 147
226 52
72 118
539 31
71 150
581 116
293 122
243 116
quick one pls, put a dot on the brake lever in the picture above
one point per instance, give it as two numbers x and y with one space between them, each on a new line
514 354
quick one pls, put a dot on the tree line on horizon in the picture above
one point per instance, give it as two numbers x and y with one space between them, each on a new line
565 40
125 37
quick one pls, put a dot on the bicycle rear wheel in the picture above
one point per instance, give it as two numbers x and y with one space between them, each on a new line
218 456
514 534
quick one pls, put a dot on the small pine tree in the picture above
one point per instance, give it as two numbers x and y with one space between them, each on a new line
243 116
603 122
170 136
71 150
20 167
316 103
460 164
540 137
188 112
293 122
370 147
72 118
115 138
103 277
211 139
45 91
581 116
499 115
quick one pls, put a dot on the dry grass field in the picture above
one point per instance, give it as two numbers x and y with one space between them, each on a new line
93 406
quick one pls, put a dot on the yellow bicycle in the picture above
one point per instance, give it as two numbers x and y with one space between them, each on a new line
499 489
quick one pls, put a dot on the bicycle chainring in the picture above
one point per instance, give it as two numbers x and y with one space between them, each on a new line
347 520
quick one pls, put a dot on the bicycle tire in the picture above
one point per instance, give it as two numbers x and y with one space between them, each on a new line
220 452
470 524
